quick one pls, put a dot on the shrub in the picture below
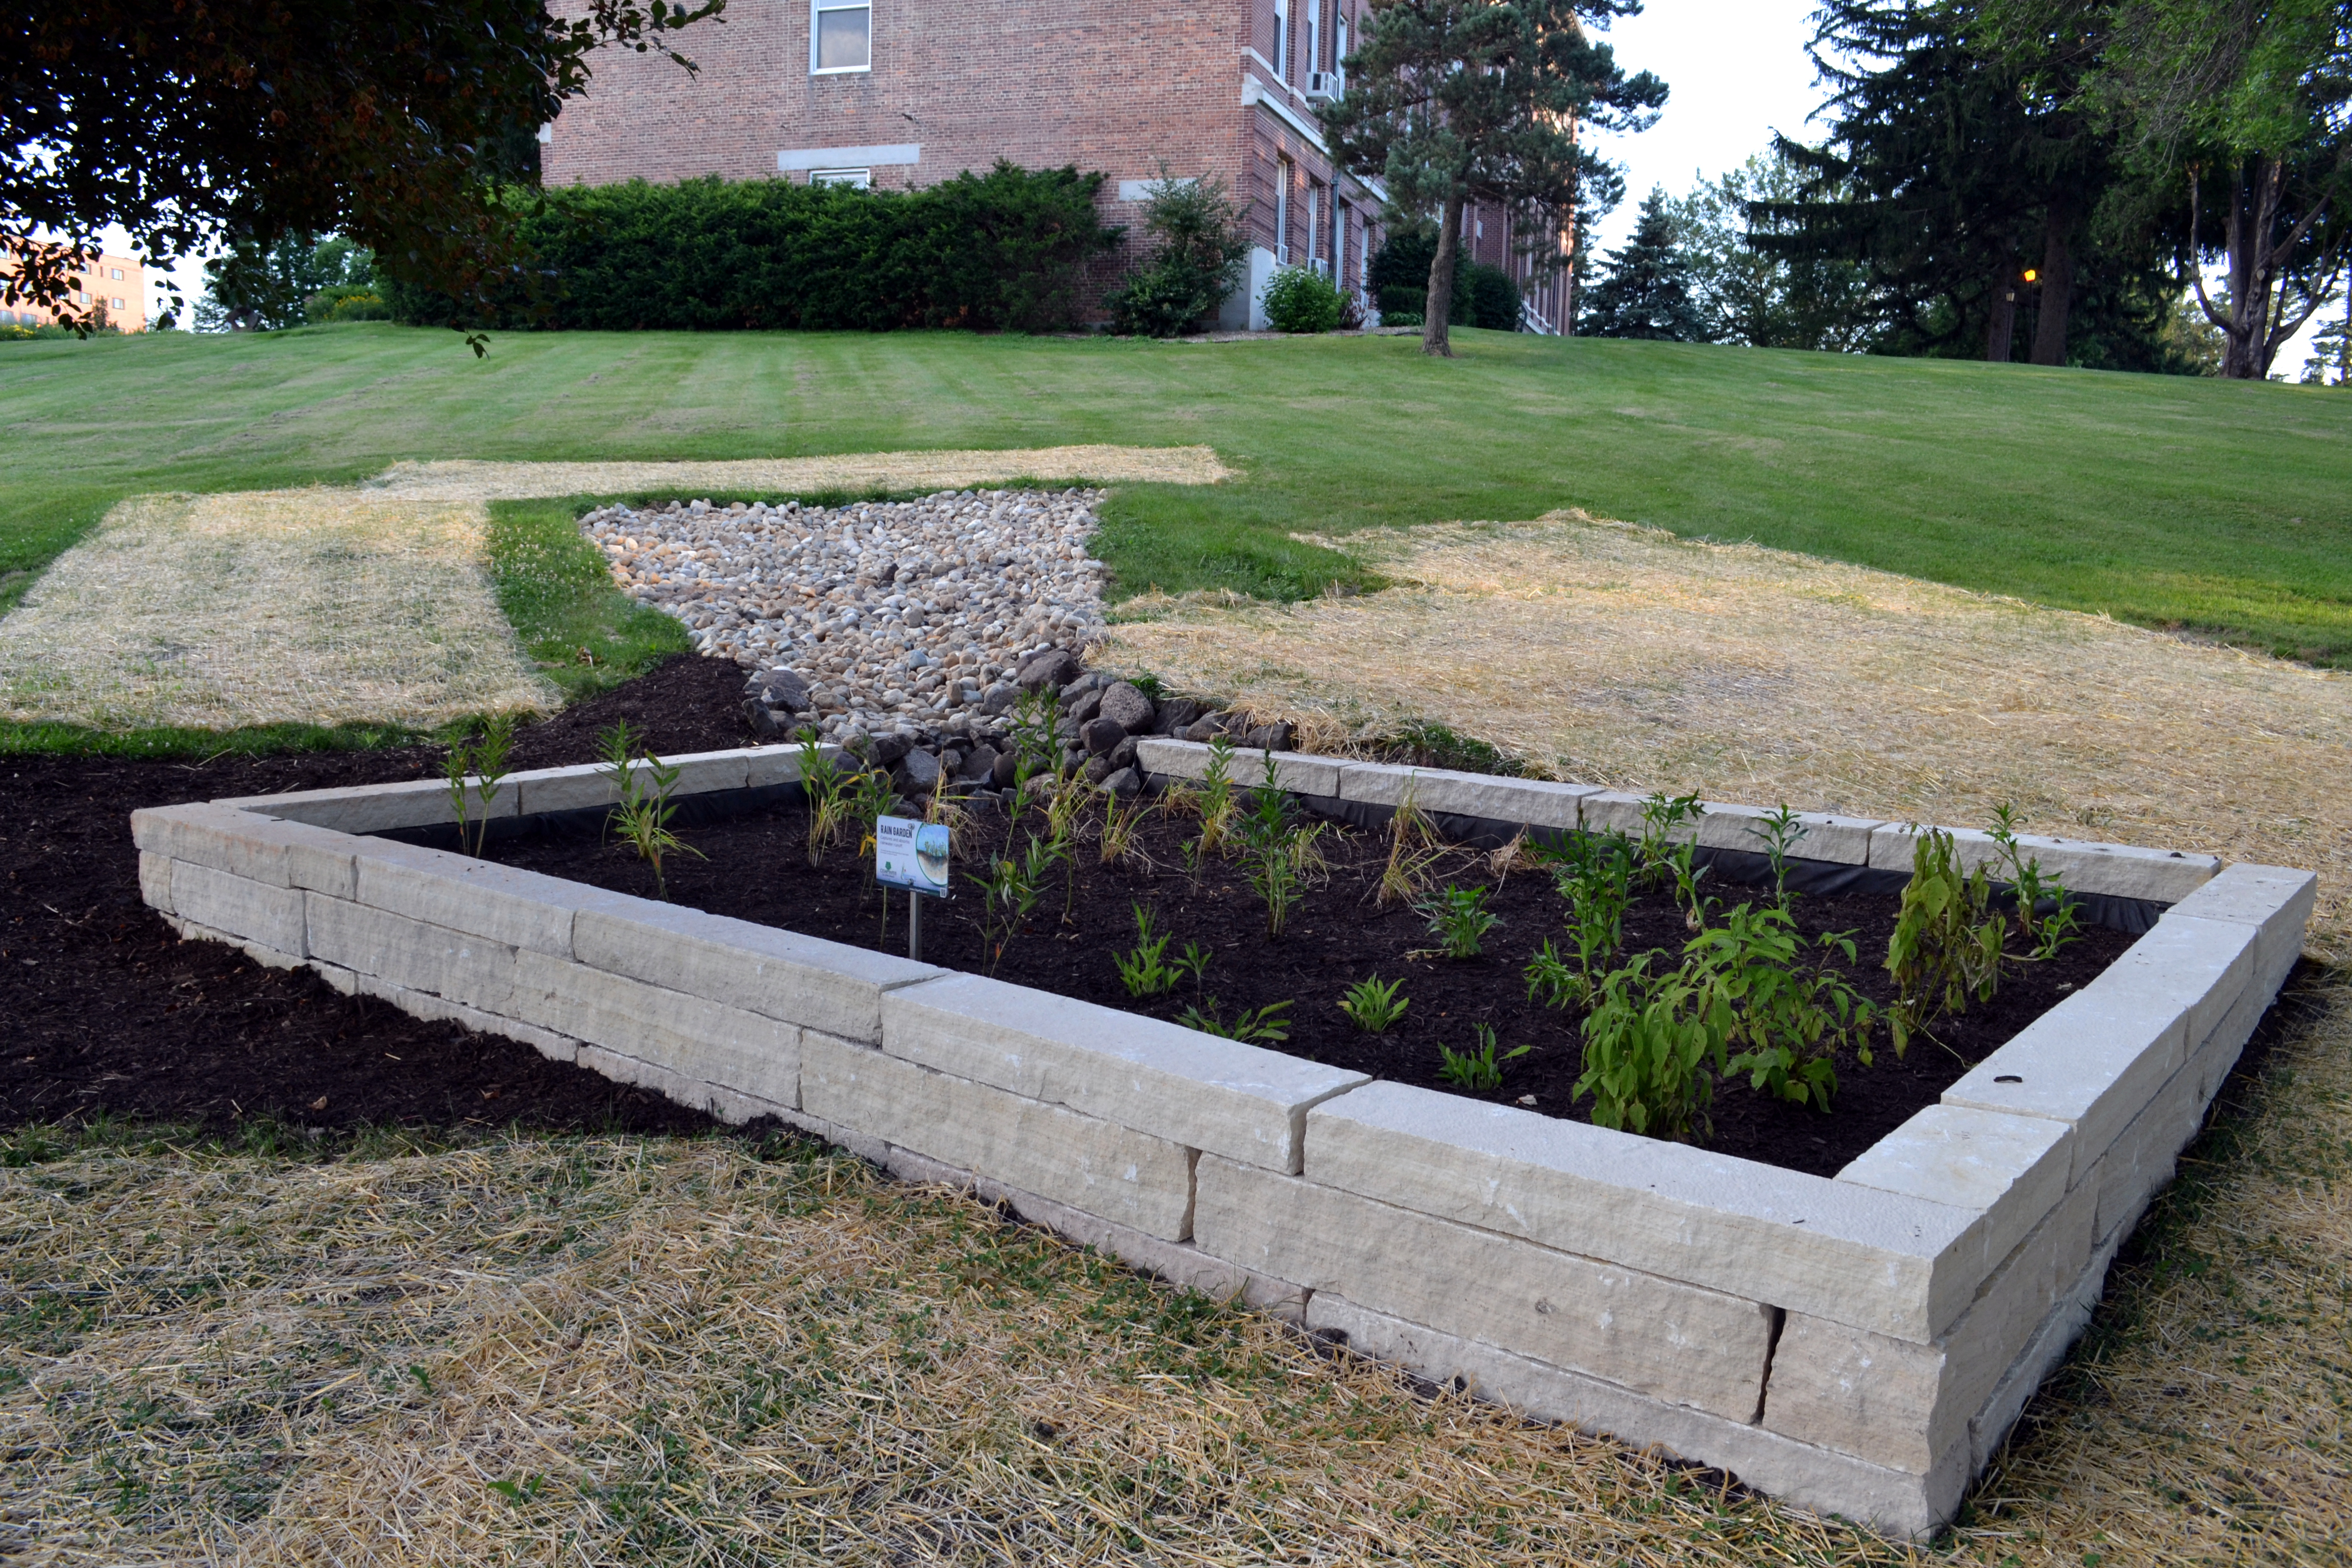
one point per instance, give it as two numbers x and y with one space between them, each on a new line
1298 300
1399 278
1005 249
1493 298
347 302
1195 264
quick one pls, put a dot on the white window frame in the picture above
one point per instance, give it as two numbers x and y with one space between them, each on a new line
1284 171
855 179
816 10
1314 37
1314 221
1282 41
1339 242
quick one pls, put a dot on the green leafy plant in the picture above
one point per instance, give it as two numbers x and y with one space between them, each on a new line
1459 919
1781 832
1479 1071
1946 945
1594 874
1010 889
1199 244
477 769
1553 980
1276 849
1035 752
822 781
642 816
1373 1005
1267 1025
1788 1019
1143 969
1648 1042
1298 300
2045 929
1217 803
1665 861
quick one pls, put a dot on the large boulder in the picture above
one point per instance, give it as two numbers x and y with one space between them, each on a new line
1098 735
979 767
1056 667
1087 705
1270 737
1129 706
919 773
781 688
1175 712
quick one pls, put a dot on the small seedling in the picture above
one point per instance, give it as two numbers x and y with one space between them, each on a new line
1553 980
1144 968
1459 919
1277 850
1217 805
1010 889
821 779
1665 861
475 770
1035 750
1195 963
1781 832
1479 1071
642 816
1262 1026
1373 1005
2045 930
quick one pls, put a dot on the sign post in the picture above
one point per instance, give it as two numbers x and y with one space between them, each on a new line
914 855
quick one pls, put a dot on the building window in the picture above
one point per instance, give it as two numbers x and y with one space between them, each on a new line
1282 39
855 179
118 275
841 36
1315 225
1283 169
1339 243
115 305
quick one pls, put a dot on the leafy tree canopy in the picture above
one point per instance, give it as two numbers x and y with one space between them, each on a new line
1454 101
189 123
254 286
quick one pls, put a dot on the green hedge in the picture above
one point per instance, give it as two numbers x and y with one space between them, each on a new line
1005 249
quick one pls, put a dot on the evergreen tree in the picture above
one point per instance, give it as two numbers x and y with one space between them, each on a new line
1646 290
1759 297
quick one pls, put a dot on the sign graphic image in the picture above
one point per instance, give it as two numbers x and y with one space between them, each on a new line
911 855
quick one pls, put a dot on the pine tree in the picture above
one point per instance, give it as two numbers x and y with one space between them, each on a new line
1646 291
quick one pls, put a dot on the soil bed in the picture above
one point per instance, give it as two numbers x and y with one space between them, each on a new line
756 868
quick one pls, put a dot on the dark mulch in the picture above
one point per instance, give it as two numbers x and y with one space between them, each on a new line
103 1010
756 868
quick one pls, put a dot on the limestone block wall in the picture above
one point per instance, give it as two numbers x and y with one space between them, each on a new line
1858 1344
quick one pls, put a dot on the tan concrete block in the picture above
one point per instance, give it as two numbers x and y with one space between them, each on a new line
243 844
254 910
1536 803
481 897
1658 1337
782 975
590 785
1095 1166
1796 1473
267 957
1900 1265
1619 811
1175 1083
2012 1169
2206 965
741 1052
1294 771
155 881
375 808
1827 836
412 954
770 766
2119 871
2092 1061
2273 899
548 1043
681 1089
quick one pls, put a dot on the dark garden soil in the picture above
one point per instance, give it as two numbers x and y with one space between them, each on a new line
104 1011
755 868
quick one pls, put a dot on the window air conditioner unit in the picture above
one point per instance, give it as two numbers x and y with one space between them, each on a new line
1326 84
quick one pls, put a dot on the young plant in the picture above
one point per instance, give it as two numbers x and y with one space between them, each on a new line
1459 919
1035 752
1946 946
2045 931
485 762
1144 968
1373 1005
1010 889
1273 849
1120 825
1780 833
1413 847
1555 981
1648 1042
1217 803
1265 1026
821 778
1594 873
1665 861
1788 1019
642 817
1479 1071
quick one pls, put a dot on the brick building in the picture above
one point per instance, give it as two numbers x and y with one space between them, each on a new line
892 94
118 284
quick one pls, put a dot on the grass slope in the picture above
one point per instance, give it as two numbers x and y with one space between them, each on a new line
2222 508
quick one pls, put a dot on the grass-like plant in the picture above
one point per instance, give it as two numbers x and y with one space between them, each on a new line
1373 1005
1144 968
1779 833
1459 919
1479 1071
1947 942
1120 826
642 817
1267 1025
1217 801
1554 980
822 780
1413 848
2044 929
1010 889
477 769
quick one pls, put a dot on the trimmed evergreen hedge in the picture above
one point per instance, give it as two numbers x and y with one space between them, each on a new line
1005 249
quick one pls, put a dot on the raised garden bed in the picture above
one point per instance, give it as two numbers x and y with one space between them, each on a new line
753 865
1858 1342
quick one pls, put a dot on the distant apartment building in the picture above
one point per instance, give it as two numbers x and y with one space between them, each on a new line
894 94
117 283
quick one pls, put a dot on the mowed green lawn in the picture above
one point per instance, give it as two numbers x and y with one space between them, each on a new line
2219 507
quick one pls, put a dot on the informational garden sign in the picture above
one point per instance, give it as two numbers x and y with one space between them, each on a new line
911 855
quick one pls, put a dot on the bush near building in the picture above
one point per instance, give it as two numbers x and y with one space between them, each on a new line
1298 300
1483 296
1007 249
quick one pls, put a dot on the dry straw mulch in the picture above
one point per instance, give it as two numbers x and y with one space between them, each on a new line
307 606
1623 655
671 1352
855 471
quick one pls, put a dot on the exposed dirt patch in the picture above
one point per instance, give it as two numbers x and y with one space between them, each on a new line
108 1011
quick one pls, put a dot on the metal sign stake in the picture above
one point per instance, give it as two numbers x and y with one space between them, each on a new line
914 925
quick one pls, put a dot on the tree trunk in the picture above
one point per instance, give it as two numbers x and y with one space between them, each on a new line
2001 328
1440 306
2057 285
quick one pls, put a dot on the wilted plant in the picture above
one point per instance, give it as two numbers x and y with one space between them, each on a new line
642 817
1265 1026
1413 847
485 762
1120 826
1479 1071
1946 945
1780 833
1459 919
2044 931
1373 1005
